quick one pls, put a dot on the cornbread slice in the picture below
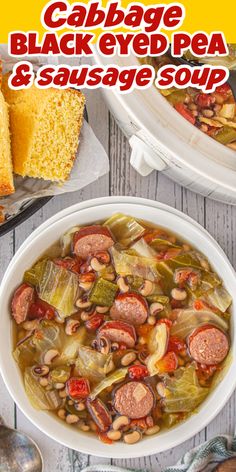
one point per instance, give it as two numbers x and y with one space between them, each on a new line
45 126
6 176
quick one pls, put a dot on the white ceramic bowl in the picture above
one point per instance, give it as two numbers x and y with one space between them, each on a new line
29 252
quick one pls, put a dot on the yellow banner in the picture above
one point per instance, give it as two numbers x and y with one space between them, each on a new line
204 15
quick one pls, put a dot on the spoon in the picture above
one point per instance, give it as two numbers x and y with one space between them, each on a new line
18 453
232 73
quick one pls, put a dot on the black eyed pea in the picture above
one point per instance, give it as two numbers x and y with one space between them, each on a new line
96 265
152 430
93 426
123 286
151 320
120 422
43 382
207 113
128 358
50 355
80 406
59 386
71 326
86 286
59 320
41 370
104 345
62 393
72 419
179 294
114 435
81 303
147 288
161 389
85 315
114 346
102 309
62 413
30 325
84 427
132 438
156 308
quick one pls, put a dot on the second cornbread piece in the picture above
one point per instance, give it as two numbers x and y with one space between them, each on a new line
45 126
6 175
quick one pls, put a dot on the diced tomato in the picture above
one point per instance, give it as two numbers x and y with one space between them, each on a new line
168 363
41 310
78 388
198 305
166 321
182 109
176 344
225 88
69 263
94 322
138 372
104 438
204 100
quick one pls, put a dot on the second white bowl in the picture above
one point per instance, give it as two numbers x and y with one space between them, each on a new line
36 245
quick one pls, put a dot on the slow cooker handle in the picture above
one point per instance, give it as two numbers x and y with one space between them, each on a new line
143 158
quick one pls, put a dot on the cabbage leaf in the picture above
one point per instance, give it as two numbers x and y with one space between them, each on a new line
183 392
59 288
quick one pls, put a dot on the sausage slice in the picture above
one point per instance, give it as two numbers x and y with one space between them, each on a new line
100 414
22 299
118 331
130 307
208 345
91 239
133 399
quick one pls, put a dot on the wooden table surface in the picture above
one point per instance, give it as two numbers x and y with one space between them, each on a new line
217 218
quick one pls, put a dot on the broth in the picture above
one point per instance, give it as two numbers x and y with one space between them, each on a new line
121 329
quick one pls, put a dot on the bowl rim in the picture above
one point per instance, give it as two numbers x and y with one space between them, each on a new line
90 449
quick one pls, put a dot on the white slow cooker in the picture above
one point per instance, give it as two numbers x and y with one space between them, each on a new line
161 139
